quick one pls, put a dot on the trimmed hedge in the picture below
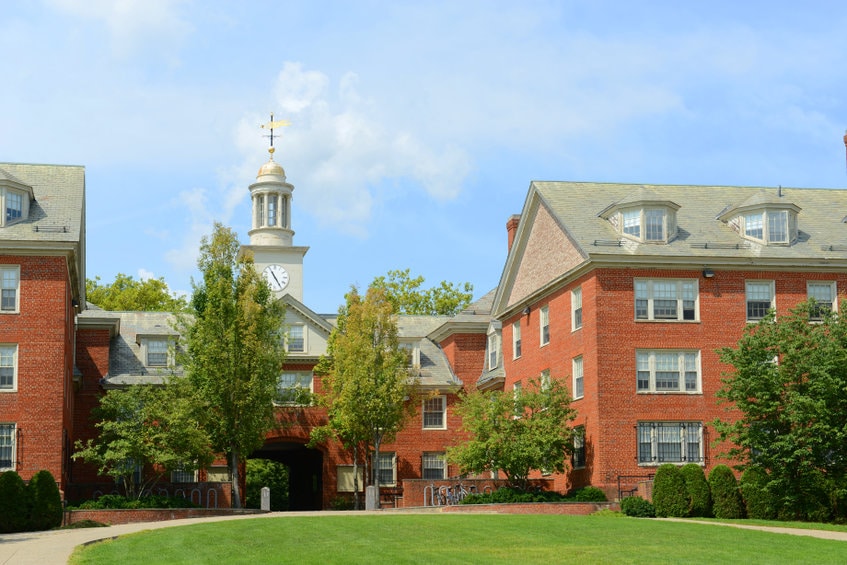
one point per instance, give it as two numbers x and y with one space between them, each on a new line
637 507
669 495
757 500
46 502
14 503
697 488
726 498
119 502
506 495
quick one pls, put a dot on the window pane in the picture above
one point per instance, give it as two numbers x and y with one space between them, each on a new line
632 223
296 342
759 300
668 443
667 371
778 226
8 289
433 414
272 199
433 466
753 225
7 367
645 443
578 447
157 353
655 220
386 468
14 206
7 446
578 381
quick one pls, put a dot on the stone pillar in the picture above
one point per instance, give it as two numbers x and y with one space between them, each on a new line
266 499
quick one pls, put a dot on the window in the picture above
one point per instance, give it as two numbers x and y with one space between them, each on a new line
778 226
666 299
770 226
434 411
754 225
296 339
387 469
493 350
516 339
413 353
272 210
760 296
184 476
14 206
9 279
650 225
260 210
545 379
433 466
292 386
576 308
824 295
544 324
668 371
654 224
7 447
578 457
578 390
632 223
345 479
157 353
670 442
8 367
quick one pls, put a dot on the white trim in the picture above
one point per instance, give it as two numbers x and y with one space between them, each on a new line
759 283
443 426
683 364
544 324
674 291
577 306
4 270
578 374
13 428
516 340
14 365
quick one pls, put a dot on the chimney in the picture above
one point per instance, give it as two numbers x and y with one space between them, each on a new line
512 229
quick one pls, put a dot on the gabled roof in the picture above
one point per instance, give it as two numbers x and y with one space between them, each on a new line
435 371
316 320
562 234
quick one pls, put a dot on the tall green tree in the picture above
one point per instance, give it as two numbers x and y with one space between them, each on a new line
367 386
516 433
126 293
405 294
144 432
787 388
234 349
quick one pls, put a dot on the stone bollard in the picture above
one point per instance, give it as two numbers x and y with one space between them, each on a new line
371 502
266 499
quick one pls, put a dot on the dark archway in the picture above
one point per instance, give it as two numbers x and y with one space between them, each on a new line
305 472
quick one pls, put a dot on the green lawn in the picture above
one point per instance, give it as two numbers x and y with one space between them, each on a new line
452 538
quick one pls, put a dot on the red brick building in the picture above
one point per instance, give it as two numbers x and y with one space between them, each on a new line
624 291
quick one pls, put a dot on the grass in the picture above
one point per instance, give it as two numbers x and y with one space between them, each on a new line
447 538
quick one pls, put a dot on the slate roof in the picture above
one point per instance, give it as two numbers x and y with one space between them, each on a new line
701 236
435 370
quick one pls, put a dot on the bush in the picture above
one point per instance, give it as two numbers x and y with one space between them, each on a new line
637 507
589 494
119 502
670 498
726 499
46 501
266 473
14 503
699 497
757 499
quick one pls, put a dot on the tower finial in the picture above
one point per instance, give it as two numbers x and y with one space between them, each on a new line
271 125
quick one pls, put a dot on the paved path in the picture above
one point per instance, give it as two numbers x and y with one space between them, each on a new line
55 547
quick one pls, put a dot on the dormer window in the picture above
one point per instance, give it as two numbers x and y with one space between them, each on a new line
413 353
15 197
643 217
14 206
764 218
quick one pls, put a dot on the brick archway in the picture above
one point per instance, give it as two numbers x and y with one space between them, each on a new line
305 472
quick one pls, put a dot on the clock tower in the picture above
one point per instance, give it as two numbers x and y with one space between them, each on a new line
271 237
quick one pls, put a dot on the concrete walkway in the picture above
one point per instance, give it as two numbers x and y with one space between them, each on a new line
54 547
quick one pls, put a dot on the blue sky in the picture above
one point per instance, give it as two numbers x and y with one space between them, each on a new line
416 126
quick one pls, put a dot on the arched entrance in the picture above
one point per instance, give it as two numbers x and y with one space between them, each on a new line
305 472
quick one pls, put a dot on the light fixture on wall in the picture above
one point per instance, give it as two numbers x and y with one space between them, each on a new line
526 311
708 273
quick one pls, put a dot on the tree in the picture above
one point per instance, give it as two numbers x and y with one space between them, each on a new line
266 473
144 432
699 496
406 296
46 501
14 503
516 433
726 499
126 293
234 349
368 387
670 497
787 384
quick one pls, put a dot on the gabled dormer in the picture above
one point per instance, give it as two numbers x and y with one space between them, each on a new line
644 216
15 197
765 218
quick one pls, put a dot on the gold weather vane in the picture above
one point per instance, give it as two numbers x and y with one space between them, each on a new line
271 125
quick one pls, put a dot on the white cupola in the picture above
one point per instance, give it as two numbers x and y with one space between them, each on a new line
271 197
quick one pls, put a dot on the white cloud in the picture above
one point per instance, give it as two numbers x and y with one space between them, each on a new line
144 274
184 257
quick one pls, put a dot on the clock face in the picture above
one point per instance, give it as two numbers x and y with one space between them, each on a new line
276 276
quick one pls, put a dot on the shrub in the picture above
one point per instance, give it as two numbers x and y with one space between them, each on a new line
46 501
589 494
14 503
699 497
726 499
266 473
757 499
670 497
637 507
119 502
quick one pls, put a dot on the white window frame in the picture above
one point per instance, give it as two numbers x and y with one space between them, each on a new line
640 224
293 380
758 296
684 437
289 340
8 444
769 226
413 352
10 279
493 351
576 308
433 461
544 325
833 296
9 360
578 462
650 294
650 362
516 340
387 462
578 372
434 413
151 349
